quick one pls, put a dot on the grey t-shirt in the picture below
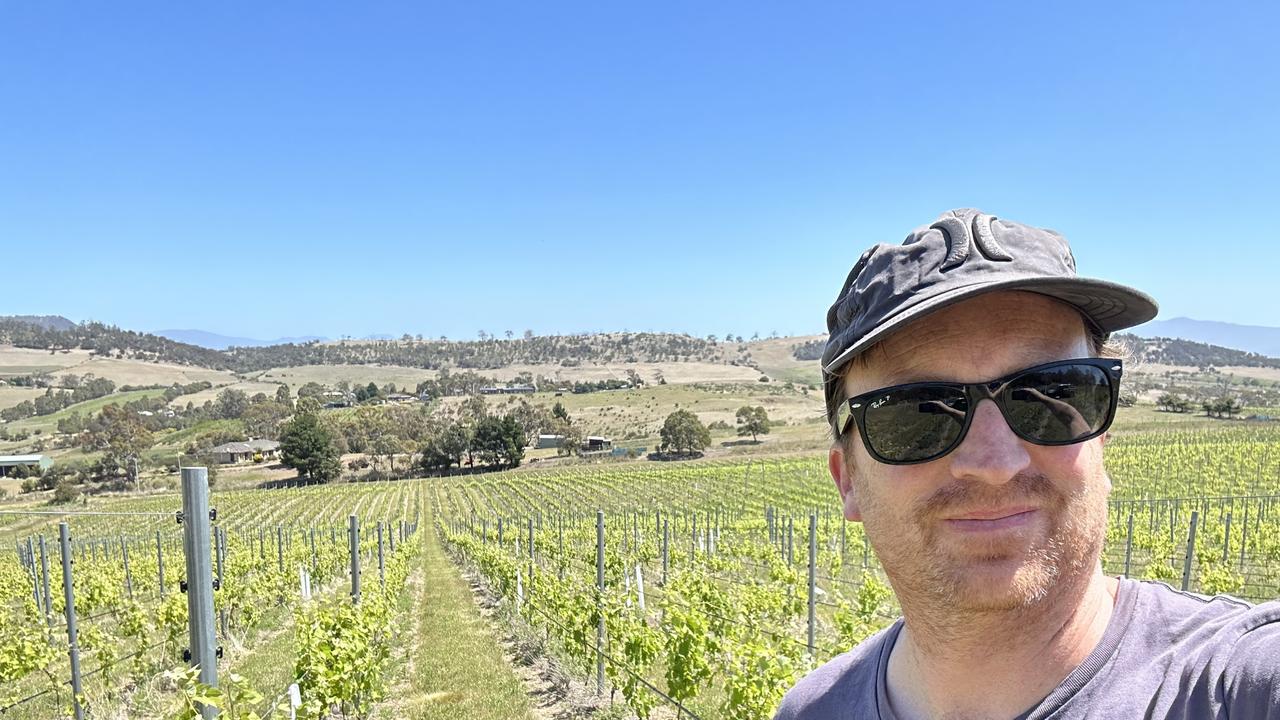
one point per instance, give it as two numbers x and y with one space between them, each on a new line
1164 654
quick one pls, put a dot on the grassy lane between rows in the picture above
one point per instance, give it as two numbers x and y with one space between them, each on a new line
454 666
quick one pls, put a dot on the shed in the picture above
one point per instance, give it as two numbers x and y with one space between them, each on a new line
33 464
549 441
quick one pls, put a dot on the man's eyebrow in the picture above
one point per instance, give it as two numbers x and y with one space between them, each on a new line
898 378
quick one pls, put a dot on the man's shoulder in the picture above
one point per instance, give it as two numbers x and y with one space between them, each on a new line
1219 643
844 686
1184 615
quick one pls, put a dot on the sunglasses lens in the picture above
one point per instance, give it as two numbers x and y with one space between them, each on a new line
915 423
1059 405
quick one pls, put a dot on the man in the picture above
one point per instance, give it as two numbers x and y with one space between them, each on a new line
989 517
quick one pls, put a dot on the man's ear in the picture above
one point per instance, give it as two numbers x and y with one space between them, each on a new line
844 482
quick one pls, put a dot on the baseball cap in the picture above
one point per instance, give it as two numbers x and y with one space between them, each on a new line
962 254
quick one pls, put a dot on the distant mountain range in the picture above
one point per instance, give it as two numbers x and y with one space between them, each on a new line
214 341
1251 338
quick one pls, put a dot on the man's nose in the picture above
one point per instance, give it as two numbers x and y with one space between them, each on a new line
990 452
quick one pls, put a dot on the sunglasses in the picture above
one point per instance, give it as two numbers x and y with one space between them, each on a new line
1058 403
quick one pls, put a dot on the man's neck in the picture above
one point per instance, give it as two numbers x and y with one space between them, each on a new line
995 665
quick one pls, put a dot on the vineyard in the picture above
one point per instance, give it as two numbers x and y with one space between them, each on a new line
131 612
709 589
700 589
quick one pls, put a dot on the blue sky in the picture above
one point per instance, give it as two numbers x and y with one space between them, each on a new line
290 168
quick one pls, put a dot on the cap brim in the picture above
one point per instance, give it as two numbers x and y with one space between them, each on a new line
1108 305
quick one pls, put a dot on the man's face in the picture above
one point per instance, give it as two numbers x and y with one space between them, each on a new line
995 523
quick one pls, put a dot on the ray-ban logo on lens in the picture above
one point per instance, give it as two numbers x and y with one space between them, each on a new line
879 402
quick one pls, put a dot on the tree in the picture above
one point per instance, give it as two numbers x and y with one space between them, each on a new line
533 419
558 412
752 421
282 396
371 390
119 434
499 441
308 447
230 404
311 390
1224 406
386 447
445 446
263 419
571 444
473 410
307 406
682 432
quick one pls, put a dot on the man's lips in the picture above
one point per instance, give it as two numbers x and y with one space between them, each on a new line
991 519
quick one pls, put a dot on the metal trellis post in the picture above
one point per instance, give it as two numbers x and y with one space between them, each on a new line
599 601
68 595
195 545
1128 546
44 575
159 564
382 572
1191 551
353 546
813 576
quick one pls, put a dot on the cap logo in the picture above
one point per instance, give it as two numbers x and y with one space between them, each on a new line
962 236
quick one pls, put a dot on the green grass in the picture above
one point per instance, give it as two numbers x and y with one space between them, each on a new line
179 438
1146 418
455 667
49 423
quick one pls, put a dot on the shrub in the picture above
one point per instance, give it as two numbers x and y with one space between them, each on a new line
65 492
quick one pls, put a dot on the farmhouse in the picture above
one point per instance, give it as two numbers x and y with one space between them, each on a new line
33 464
234 452
509 390
268 448
401 398
337 399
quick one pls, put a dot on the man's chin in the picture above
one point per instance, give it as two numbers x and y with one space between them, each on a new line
997 585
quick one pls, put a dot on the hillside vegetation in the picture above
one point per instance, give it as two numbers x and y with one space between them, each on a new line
491 352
